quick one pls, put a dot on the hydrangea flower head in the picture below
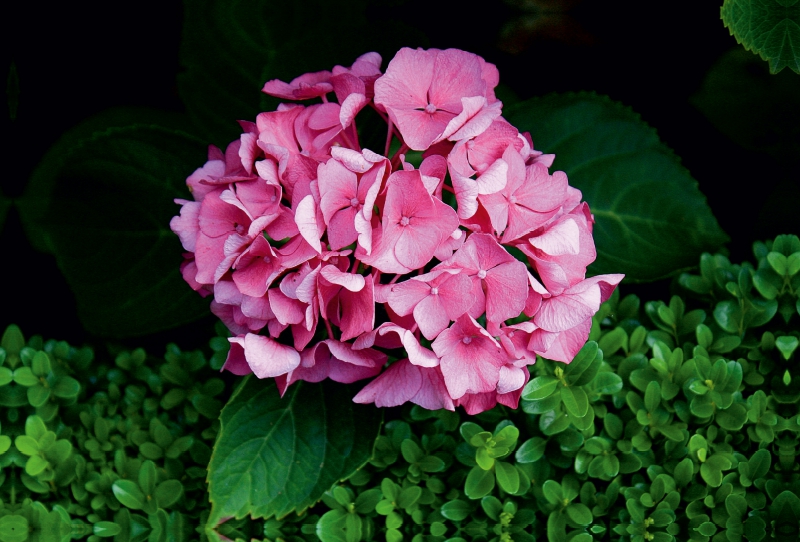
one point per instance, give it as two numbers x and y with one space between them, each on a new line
326 259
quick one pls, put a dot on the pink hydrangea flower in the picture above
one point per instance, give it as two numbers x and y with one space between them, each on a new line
329 260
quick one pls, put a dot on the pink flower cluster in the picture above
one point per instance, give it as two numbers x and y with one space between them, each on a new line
329 260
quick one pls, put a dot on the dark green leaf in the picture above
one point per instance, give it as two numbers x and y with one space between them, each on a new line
579 513
651 219
759 464
106 529
168 492
507 476
456 510
147 478
539 388
125 180
66 387
770 28
129 494
230 50
755 109
576 401
583 359
607 383
275 455
531 450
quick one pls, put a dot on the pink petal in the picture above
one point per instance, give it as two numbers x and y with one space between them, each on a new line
306 219
236 362
267 358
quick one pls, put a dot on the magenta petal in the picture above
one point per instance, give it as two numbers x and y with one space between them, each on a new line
561 346
286 310
470 358
404 296
395 386
433 392
236 362
358 311
431 316
506 291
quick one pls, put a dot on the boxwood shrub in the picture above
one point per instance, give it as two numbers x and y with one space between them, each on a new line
677 421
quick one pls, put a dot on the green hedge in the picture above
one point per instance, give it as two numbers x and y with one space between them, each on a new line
677 421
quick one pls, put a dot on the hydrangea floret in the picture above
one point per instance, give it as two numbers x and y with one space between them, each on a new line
439 270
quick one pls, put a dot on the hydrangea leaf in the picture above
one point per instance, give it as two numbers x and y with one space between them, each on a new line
101 205
770 28
277 455
756 110
652 221
230 49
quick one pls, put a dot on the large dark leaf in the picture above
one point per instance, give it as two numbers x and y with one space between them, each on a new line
770 28
651 219
231 48
274 456
759 111
101 202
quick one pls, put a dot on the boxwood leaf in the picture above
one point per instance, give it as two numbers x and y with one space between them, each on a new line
276 455
507 476
456 510
102 207
539 388
626 175
479 483
575 401
128 493
168 492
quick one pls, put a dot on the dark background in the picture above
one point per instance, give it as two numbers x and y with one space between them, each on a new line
77 59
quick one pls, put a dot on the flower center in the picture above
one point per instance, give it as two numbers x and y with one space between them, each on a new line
404 221
354 202
466 340
430 109
481 274
512 199
267 259
434 291
239 228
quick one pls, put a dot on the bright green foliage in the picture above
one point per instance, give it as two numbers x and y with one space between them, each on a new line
689 432
96 453
651 219
770 28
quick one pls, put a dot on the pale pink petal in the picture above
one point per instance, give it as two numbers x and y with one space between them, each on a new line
306 219
511 378
186 226
267 358
351 281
